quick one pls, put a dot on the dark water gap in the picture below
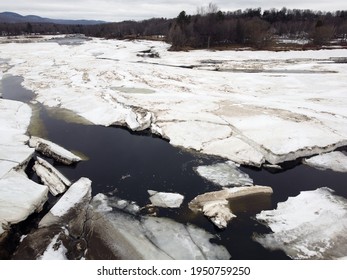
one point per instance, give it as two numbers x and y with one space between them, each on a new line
127 164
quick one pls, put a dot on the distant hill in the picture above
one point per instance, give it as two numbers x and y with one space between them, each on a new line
9 17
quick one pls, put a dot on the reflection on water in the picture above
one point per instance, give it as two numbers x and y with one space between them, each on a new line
127 164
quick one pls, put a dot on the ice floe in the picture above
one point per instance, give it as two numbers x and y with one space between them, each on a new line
224 174
108 202
61 232
312 225
215 205
19 197
53 150
14 120
218 211
165 199
336 161
77 193
143 237
51 177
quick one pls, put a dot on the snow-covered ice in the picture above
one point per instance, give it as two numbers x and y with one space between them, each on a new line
224 174
336 161
312 225
19 197
182 242
61 232
165 199
74 195
14 120
260 106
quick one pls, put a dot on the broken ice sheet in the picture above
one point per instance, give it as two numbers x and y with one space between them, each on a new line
215 205
51 177
165 199
312 225
336 161
224 174
53 150
144 237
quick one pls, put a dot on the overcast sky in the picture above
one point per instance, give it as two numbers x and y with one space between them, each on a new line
117 10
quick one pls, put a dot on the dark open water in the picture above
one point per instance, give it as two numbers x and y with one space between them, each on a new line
128 164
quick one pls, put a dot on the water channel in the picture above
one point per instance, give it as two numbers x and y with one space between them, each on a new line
126 164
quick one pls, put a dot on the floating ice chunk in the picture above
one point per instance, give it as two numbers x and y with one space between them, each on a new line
51 177
214 205
74 195
166 200
53 150
65 222
224 174
312 225
101 203
180 241
55 250
336 161
143 237
19 197
219 212
272 166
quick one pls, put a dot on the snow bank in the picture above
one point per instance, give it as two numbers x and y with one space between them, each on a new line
312 225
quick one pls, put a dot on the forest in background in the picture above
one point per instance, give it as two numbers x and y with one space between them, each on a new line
211 28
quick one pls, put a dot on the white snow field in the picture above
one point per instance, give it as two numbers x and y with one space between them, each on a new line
259 105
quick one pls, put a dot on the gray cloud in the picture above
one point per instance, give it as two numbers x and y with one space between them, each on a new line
116 10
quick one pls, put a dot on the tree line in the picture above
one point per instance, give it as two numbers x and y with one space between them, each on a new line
210 27
252 27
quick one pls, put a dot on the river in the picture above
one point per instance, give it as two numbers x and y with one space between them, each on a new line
127 164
